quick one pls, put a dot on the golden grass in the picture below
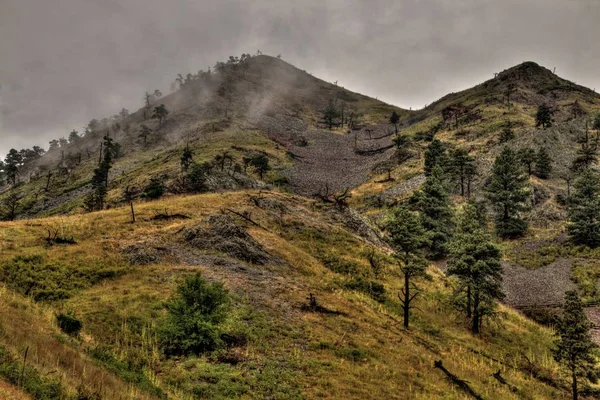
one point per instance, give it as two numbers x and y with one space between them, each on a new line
363 353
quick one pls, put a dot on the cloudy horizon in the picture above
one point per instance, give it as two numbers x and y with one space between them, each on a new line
68 61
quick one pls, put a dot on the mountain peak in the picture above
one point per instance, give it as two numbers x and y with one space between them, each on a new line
528 72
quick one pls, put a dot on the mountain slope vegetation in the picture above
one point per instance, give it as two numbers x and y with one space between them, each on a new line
277 185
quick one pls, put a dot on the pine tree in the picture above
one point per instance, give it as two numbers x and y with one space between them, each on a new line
160 113
74 136
543 164
587 155
462 167
330 115
435 155
435 212
407 237
527 157
187 158
394 119
575 349
584 210
507 133
507 192
475 261
403 144
12 162
96 198
543 117
145 131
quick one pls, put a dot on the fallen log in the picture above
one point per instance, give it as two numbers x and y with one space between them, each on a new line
462 384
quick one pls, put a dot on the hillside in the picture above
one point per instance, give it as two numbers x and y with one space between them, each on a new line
297 245
117 276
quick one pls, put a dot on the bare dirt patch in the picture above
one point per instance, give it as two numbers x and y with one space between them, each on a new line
542 287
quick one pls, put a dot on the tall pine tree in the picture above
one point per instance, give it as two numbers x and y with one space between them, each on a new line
462 168
407 237
575 349
584 210
543 164
475 261
435 155
527 157
435 212
508 192
96 198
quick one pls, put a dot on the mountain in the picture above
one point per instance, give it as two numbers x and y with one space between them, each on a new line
313 289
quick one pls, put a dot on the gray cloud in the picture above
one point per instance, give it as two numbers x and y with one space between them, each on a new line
64 62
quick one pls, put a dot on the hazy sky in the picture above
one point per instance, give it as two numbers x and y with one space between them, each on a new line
64 62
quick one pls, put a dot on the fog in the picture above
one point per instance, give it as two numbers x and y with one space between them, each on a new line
64 62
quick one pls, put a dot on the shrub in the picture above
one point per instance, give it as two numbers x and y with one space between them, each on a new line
68 323
196 178
154 190
195 312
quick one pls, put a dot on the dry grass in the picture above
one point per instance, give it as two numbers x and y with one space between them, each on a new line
361 353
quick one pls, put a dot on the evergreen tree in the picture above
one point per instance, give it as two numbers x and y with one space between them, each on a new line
407 237
527 157
435 155
403 144
260 164
462 167
145 131
575 349
160 113
475 261
543 164
12 162
54 144
330 115
543 117
507 192
587 154
155 189
507 133
584 210
74 136
11 205
435 211
95 200
187 158
394 119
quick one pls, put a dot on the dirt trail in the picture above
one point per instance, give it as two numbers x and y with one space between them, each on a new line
323 157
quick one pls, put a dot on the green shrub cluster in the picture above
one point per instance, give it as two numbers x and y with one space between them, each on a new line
68 323
194 317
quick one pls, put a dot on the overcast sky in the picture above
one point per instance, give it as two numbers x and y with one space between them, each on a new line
64 62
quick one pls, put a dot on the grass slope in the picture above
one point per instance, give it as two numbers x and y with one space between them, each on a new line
360 351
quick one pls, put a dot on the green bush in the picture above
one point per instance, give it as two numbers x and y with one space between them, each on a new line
154 190
68 323
196 178
195 313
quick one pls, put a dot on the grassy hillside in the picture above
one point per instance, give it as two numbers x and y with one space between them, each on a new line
310 316
117 276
